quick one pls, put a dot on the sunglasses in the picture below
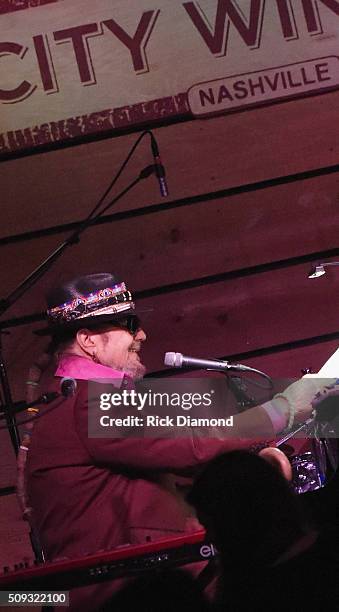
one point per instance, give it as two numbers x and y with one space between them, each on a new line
131 323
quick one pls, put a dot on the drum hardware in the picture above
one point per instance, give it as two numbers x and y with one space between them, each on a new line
312 469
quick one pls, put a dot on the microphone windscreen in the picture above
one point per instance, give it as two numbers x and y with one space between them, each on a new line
169 359
68 386
173 359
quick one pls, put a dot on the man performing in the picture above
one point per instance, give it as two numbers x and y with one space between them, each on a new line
89 494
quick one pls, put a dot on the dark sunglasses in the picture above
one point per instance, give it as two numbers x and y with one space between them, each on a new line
131 323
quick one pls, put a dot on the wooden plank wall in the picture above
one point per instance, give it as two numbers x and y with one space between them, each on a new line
170 254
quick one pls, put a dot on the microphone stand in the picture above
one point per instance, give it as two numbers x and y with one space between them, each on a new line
44 399
7 401
238 388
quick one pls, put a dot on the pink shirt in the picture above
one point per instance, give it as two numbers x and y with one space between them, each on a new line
81 368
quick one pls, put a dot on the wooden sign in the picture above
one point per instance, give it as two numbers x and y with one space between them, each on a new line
69 68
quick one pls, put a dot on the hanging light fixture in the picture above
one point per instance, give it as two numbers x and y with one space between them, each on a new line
319 269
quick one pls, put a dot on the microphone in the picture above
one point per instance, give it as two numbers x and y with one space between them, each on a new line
68 386
159 168
20 406
178 360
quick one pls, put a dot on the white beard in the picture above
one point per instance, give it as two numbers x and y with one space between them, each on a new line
136 372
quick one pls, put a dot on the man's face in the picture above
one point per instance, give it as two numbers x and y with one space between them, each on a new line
119 349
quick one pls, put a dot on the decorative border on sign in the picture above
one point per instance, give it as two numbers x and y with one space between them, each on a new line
9 6
98 122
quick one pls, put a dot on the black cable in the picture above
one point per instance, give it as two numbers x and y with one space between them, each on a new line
256 383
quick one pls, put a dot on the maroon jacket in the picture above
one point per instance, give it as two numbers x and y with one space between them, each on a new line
90 494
